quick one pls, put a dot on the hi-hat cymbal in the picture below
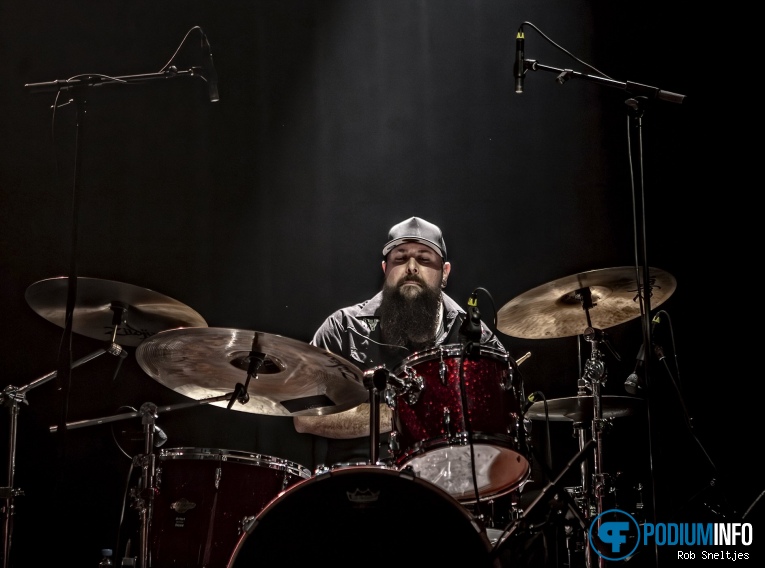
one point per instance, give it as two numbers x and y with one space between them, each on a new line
293 378
557 309
579 408
146 312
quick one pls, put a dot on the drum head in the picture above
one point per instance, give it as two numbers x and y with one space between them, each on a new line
352 514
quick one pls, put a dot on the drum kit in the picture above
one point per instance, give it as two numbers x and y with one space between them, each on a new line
459 436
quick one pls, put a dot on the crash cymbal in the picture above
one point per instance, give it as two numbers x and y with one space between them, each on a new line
557 309
294 379
146 312
579 408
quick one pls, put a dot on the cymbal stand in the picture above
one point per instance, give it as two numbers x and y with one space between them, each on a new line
375 380
255 361
12 397
143 496
593 378
519 523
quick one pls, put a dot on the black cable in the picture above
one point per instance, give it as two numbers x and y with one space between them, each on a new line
466 417
551 42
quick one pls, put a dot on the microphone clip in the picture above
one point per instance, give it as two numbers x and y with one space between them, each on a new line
470 330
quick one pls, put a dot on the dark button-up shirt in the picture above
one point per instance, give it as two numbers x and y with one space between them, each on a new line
353 333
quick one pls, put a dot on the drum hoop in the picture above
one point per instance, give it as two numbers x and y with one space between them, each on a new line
504 441
387 471
234 456
450 350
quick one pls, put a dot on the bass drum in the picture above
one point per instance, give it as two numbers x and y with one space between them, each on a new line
205 496
353 513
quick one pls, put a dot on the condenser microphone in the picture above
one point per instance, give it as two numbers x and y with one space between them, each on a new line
209 69
633 384
518 68
160 436
471 325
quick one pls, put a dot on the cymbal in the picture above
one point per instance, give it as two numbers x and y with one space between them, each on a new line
579 408
294 378
147 312
556 309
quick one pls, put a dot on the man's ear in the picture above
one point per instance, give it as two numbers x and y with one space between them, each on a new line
383 266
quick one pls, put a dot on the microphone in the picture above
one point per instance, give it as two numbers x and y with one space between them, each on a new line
159 436
518 68
633 384
471 325
209 70
531 399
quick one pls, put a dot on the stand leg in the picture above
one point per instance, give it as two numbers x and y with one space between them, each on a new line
8 492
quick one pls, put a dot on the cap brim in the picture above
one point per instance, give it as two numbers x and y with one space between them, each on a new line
395 242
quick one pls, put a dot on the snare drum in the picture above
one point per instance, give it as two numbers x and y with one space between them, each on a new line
349 514
441 396
204 497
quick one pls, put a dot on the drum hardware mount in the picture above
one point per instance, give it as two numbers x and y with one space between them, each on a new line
254 362
519 523
13 396
593 378
143 495
101 308
375 381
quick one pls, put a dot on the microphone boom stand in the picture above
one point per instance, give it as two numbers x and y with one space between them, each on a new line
640 95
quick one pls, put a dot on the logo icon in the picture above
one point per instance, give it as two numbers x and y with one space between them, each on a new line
614 534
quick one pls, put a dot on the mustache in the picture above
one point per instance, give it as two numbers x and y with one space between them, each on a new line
411 278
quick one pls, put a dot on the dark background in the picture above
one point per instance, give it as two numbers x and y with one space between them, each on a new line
268 209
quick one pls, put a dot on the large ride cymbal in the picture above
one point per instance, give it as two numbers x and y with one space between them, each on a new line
289 377
580 408
557 309
144 312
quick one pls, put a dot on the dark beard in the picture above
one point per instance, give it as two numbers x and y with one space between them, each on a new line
409 322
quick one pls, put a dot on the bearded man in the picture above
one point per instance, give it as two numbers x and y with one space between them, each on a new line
411 313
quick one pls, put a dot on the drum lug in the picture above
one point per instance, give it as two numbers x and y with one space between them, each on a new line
245 524
393 443
218 475
442 369
321 469
506 381
409 472
447 422
389 396
413 385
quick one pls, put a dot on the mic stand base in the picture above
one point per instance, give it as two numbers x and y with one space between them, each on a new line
504 539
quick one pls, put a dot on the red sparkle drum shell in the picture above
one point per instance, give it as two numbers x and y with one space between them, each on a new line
351 514
205 496
431 431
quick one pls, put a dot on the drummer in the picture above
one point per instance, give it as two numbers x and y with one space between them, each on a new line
411 313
